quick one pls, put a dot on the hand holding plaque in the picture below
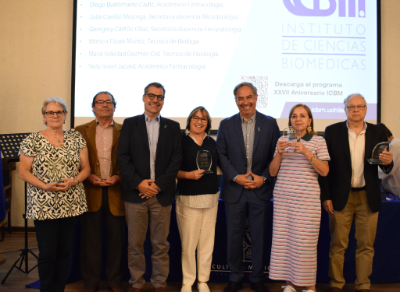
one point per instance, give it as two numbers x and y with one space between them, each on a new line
378 149
204 161
289 135
104 172
56 173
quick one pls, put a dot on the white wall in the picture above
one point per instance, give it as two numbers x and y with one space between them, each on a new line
35 63
390 62
36 60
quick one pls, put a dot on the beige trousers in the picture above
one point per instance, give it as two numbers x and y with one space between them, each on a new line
138 217
339 225
197 230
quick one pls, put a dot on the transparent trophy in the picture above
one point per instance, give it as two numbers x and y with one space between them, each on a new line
107 165
204 161
56 172
289 135
378 149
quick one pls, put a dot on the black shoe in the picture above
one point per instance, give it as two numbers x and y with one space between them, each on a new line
258 287
233 286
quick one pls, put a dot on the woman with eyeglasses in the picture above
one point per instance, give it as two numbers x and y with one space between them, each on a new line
197 199
54 163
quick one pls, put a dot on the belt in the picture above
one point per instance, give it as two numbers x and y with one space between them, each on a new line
357 189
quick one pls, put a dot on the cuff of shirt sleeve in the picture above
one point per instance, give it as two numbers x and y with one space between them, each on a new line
234 179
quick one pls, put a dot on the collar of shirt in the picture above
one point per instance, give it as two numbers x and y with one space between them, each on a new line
252 119
98 123
191 136
362 132
157 118
307 137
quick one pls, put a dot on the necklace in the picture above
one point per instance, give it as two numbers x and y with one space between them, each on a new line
59 142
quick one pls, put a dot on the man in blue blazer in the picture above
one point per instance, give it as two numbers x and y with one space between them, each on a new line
149 156
351 190
246 144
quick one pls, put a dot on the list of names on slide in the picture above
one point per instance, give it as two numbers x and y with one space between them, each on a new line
155 35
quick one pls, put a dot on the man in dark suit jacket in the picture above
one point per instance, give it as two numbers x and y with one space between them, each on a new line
103 196
351 190
246 144
149 155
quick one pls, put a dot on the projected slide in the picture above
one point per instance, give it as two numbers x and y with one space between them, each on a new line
294 51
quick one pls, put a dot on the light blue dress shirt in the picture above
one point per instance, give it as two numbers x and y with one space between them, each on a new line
153 129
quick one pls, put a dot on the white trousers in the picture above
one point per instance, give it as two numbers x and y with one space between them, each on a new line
197 230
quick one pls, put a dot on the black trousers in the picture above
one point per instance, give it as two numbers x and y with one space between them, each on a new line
91 249
54 239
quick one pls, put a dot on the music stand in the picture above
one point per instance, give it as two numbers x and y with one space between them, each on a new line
9 145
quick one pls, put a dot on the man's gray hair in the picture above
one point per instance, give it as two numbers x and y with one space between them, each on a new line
253 88
57 100
347 99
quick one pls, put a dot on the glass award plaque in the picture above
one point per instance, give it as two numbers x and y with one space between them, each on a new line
107 163
289 135
378 149
56 172
204 161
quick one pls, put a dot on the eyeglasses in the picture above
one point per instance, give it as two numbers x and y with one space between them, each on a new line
101 102
152 96
51 113
196 120
359 107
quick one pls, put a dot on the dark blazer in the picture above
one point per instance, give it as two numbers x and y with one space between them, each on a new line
93 193
336 186
134 158
232 154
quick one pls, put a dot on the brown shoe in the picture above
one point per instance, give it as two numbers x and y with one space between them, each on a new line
115 289
158 289
335 289
134 289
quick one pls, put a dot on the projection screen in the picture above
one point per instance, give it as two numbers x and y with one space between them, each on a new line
308 51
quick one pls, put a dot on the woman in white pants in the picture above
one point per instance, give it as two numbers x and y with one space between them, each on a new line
197 201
